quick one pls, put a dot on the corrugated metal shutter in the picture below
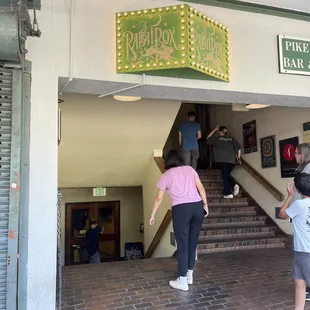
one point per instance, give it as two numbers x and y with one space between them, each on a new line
6 77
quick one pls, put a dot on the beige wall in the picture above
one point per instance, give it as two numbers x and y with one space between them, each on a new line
107 143
282 122
152 176
131 210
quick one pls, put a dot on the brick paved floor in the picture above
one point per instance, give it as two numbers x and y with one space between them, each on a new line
248 280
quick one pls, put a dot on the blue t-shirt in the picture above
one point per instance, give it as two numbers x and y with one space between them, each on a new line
299 212
92 236
189 131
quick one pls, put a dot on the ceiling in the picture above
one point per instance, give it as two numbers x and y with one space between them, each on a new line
184 94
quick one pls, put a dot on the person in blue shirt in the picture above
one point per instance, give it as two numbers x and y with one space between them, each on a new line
299 212
92 236
189 134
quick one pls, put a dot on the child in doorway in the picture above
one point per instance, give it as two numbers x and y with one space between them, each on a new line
299 212
92 235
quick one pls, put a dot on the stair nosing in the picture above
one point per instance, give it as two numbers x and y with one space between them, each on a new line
240 238
240 227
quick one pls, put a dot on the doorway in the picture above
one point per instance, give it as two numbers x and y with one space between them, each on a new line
78 218
203 118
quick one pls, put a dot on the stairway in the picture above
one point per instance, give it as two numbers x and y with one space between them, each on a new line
234 224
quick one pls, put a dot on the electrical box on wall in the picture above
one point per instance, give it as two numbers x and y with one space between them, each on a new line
99 191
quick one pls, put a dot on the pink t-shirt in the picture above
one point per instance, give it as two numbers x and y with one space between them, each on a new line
180 184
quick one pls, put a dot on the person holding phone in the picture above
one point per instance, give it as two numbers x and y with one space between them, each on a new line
189 207
227 154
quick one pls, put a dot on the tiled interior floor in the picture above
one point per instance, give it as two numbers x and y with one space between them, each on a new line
245 280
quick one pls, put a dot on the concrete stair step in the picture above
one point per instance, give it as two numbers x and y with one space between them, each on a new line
222 211
228 233
209 178
236 201
241 244
214 187
216 193
209 172
234 221
208 181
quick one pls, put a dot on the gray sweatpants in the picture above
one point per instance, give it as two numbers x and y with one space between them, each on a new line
190 157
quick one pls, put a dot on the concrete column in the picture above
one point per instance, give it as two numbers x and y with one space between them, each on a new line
40 289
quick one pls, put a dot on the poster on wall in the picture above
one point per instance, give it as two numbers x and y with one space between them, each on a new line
268 152
287 157
306 128
249 137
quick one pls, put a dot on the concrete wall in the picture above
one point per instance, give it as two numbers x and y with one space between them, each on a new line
107 142
253 39
282 122
131 210
152 176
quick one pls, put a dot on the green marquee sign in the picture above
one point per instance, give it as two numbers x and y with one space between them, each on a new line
176 41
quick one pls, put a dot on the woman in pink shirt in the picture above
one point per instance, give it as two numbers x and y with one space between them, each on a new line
189 207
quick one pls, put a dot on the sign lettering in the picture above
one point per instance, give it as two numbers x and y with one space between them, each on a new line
294 54
176 37
152 41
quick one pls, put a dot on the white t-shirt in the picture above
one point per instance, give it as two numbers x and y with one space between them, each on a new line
299 212
296 194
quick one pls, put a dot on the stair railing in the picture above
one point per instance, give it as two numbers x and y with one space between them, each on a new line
166 220
258 177
264 182
160 232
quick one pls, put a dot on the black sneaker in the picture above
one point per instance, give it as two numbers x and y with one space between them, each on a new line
308 294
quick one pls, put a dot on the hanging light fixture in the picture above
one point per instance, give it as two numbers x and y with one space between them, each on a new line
257 106
126 98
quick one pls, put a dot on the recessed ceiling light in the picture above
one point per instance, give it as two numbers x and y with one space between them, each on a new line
126 98
257 106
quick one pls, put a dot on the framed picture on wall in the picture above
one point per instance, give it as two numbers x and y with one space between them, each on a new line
306 130
249 137
287 157
268 152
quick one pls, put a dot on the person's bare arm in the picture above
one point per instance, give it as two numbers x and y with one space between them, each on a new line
203 195
180 139
198 134
287 202
213 131
158 199
239 154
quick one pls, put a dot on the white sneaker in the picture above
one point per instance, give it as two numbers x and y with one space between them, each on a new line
180 284
229 196
190 277
236 190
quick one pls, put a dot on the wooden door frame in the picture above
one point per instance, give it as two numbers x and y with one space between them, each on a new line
117 224
68 227
68 218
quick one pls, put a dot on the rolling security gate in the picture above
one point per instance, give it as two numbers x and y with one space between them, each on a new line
12 83
6 76
15 27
